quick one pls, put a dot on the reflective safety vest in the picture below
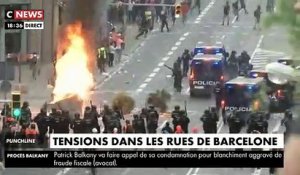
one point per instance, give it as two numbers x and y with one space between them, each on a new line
102 51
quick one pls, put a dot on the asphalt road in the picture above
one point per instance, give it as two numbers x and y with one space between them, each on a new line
143 72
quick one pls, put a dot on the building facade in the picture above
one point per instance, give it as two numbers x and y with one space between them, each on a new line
28 41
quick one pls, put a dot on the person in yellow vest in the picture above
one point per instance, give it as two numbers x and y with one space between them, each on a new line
101 59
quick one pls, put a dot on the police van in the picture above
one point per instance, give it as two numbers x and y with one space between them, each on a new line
205 72
243 95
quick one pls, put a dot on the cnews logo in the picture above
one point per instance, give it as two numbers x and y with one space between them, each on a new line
239 109
24 14
205 83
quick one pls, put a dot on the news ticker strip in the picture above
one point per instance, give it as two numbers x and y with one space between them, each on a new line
166 141
18 25
138 159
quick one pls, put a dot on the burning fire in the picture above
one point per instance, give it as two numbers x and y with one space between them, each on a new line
73 77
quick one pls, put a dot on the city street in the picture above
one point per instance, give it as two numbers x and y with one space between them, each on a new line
144 72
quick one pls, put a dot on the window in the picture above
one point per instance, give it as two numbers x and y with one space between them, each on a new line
206 70
60 15
13 42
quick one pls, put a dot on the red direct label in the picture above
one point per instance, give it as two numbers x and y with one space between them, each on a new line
28 14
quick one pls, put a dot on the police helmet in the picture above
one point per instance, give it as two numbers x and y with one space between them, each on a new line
206 112
135 116
87 108
177 107
186 51
76 115
167 124
94 130
25 104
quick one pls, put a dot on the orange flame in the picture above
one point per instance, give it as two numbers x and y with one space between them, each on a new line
73 77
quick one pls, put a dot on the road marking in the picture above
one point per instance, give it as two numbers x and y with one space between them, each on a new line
166 58
181 38
170 53
64 171
143 85
148 80
178 43
257 46
156 70
186 34
174 48
152 75
223 37
197 22
190 171
161 64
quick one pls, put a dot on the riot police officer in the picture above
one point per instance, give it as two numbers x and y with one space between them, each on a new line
258 123
43 121
138 124
77 124
186 57
176 116
235 123
209 122
219 95
184 121
287 121
152 119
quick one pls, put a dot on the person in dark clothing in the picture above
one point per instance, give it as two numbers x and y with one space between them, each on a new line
209 122
243 6
257 14
219 94
164 21
128 128
138 124
198 6
186 57
144 27
173 16
65 122
95 115
235 8
25 114
167 129
234 123
152 119
43 122
176 116
178 80
226 13
77 124
184 121
55 123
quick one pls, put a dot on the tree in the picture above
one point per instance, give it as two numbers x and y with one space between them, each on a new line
123 102
287 16
159 99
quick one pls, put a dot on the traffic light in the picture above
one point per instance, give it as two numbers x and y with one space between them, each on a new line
16 104
177 10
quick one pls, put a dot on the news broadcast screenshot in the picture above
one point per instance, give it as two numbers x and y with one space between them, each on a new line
143 87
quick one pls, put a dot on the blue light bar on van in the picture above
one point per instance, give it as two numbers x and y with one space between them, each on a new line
251 88
257 74
208 50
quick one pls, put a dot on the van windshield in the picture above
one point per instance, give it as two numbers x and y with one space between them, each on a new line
206 70
238 97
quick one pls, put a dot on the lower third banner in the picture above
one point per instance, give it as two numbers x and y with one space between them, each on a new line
35 159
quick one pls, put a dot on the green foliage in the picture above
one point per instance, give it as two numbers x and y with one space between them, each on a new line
159 99
124 102
287 17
